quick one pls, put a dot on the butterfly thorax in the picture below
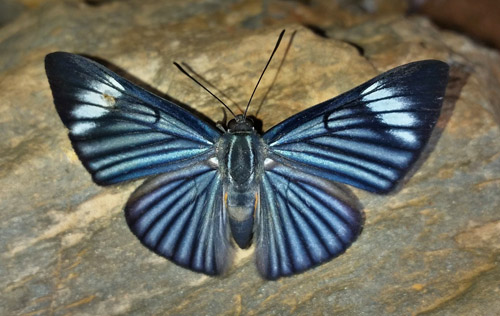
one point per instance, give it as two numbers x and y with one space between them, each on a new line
240 159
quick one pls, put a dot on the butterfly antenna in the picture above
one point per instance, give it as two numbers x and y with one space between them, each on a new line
206 89
263 71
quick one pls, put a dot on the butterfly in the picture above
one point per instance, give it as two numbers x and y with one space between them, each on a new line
211 189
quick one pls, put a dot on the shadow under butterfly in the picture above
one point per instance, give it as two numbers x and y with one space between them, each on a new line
213 188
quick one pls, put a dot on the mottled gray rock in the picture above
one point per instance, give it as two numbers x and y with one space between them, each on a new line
432 247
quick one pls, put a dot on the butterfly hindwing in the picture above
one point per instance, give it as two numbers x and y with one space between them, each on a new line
179 215
368 137
120 131
302 221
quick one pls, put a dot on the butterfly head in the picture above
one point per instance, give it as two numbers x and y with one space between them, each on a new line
240 123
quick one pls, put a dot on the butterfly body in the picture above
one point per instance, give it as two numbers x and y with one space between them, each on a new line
209 190
241 153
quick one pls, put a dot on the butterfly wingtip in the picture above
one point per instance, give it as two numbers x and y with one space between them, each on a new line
440 66
444 66
51 57
61 61
431 65
56 64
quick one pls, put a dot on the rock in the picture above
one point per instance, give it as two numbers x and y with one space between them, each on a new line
9 10
431 247
478 18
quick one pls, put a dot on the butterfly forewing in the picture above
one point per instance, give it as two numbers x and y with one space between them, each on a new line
120 131
370 136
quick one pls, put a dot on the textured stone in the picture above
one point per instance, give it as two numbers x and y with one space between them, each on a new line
478 18
432 247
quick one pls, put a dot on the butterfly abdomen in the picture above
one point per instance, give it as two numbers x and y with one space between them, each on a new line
241 155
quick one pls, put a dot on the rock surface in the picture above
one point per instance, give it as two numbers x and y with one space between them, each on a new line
430 248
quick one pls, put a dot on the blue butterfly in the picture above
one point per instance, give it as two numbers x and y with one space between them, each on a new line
214 188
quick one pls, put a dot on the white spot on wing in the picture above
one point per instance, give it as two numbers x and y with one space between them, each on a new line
91 97
397 119
114 82
213 162
102 94
380 94
392 104
268 163
405 136
372 87
80 128
88 111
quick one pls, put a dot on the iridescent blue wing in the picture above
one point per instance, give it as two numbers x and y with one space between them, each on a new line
302 221
180 215
120 131
368 137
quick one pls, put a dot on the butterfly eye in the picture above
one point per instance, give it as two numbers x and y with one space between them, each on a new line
240 124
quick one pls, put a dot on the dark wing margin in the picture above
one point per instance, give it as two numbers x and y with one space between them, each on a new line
120 131
302 221
368 137
179 215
